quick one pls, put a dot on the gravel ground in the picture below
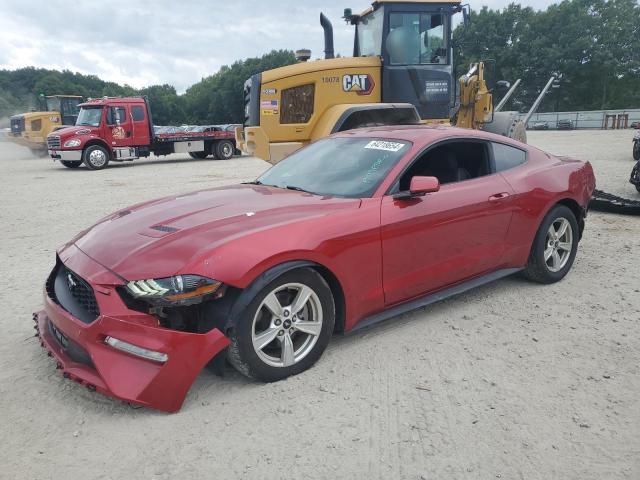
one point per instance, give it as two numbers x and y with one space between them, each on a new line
511 380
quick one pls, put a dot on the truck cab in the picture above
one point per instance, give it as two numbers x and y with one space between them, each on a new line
121 129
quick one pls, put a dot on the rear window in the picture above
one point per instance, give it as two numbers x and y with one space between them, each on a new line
137 113
506 157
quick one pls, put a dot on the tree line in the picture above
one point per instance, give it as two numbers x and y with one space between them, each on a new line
216 99
592 45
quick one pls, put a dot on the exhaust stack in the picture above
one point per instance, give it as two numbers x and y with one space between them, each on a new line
328 36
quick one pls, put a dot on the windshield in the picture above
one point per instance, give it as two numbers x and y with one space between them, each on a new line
53 104
89 117
341 167
369 33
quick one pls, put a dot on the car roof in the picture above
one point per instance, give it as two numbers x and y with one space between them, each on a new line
422 135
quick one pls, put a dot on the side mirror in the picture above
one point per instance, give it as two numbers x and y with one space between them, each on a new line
418 187
422 185
112 116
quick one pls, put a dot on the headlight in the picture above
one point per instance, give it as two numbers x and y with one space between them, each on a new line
74 142
178 290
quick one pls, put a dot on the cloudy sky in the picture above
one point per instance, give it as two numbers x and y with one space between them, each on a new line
143 42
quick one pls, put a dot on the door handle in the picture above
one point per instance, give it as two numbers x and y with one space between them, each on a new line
498 196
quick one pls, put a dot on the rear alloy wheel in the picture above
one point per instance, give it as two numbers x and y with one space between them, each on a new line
95 157
554 247
70 164
285 328
198 155
224 150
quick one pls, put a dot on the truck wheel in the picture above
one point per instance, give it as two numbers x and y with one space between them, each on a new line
95 157
224 149
70 164
198 155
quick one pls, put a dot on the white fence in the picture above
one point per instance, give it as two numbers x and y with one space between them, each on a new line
591 119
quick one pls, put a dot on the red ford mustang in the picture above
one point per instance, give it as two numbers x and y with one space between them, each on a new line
350 230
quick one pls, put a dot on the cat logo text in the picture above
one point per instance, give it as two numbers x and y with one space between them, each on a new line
360 83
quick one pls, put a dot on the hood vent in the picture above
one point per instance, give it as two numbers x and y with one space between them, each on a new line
164 228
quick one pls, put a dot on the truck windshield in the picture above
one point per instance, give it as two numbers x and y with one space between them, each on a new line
89 117
369 32
340 167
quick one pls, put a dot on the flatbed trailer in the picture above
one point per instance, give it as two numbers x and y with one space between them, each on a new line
121 129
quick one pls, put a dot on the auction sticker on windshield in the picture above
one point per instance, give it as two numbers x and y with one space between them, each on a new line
382 145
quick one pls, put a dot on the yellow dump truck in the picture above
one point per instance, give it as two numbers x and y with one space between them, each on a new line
31 129
401 72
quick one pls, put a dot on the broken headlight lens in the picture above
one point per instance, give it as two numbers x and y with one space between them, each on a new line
177 290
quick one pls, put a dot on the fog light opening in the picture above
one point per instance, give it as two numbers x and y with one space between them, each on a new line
136 350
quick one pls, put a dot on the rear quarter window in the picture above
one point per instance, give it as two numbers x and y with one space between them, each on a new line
506 157
137 113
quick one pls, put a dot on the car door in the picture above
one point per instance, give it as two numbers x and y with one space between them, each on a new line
119 126
443 238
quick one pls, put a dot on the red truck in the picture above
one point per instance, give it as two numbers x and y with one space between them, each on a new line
121 129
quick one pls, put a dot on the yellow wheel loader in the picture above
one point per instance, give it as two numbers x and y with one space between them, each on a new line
401 72
31 129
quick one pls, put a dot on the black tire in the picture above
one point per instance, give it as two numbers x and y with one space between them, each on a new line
198 155
70 164
95 161
537 269
636 150
224 149
241 353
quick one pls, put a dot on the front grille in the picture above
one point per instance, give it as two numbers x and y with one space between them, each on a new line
53 141
74 351
72 293
297 104
17 125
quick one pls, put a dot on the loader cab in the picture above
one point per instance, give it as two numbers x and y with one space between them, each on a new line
67 105
413 40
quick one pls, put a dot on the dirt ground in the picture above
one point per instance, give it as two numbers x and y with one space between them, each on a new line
511 380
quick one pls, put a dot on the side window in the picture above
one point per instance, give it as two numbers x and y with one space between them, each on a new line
120 114
450 162
506 157
416 38
137 113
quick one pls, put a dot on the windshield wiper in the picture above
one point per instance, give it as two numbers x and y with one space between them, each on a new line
255 182
297 189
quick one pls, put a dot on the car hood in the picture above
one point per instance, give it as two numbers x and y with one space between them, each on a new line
74 131
159 238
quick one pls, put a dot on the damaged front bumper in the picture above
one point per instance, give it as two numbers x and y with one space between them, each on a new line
82 353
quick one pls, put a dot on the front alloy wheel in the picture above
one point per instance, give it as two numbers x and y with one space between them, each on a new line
285 328
287 325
